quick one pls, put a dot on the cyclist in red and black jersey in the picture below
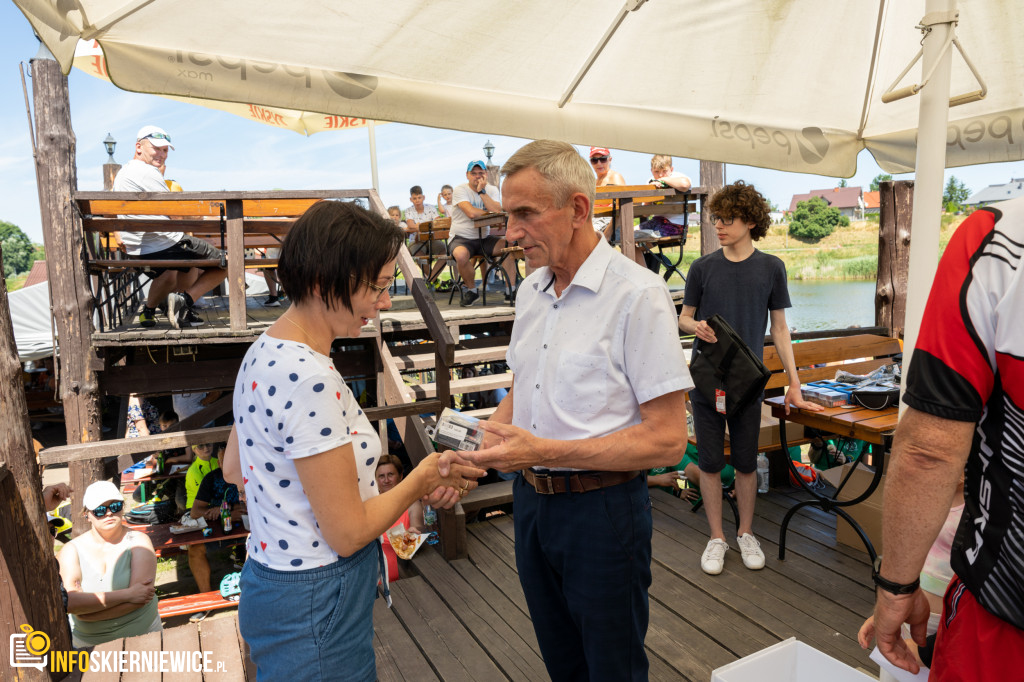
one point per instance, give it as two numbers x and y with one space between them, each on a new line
965 392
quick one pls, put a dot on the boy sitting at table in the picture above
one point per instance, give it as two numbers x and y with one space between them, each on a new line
206 504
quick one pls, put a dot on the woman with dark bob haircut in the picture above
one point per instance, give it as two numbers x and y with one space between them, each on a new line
306 454
740 200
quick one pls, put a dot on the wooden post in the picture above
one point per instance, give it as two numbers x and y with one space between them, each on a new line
712 179
897 199
29 583
109 173
70 296
236 265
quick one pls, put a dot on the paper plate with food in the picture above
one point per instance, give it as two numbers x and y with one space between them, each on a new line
405 543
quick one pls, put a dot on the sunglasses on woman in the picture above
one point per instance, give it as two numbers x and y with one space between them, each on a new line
114 508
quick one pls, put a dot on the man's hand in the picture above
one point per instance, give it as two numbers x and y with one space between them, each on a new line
665 480
477 184
54 494
795 398
891 611
515 449
705 333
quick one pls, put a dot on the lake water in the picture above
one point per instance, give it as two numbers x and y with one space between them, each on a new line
831 304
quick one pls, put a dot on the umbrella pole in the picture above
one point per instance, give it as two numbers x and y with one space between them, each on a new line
933 118
373 155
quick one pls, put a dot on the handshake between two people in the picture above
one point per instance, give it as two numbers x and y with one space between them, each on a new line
506 448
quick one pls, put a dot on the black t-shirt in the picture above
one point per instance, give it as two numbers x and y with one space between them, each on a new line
742 292
214 490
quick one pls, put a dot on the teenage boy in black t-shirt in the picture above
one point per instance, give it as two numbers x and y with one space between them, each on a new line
746 287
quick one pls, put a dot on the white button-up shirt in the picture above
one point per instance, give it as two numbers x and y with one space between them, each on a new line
585 361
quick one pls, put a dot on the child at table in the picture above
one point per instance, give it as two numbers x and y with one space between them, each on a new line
747 287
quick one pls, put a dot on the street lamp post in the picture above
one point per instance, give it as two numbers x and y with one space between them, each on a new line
492 171
111 167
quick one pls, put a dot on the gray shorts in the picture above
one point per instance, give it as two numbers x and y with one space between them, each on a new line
189 248
477 247
709 428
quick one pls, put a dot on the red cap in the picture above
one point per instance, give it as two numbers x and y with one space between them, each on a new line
599 151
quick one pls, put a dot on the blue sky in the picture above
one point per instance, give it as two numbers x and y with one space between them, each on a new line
218 151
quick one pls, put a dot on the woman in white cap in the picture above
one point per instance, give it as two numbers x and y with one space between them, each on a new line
109 573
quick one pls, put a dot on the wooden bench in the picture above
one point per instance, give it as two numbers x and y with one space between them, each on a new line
623 203
193 603
231 221
453 522
817 360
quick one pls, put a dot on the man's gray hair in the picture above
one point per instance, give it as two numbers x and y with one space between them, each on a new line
560 164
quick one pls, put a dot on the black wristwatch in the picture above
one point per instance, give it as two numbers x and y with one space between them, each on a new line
483 191
888 585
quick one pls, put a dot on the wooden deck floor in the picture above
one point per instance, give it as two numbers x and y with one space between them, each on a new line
467 620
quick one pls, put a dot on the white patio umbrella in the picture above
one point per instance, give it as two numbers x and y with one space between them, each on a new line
89 59
788 84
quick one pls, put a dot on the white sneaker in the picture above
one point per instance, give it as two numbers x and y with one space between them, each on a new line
713 560
750 549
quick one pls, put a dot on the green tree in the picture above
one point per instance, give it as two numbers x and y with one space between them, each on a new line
954 194
18 249
879 179
814 219
842 182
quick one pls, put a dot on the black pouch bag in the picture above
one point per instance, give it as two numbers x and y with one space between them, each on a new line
728 365
876 397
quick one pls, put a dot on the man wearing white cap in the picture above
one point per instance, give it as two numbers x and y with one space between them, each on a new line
142 174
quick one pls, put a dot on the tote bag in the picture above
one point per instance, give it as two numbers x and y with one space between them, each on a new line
728 365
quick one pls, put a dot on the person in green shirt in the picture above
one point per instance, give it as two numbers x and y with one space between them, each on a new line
667 478
204 463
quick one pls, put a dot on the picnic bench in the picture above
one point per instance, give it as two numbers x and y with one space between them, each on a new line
231 221
623 203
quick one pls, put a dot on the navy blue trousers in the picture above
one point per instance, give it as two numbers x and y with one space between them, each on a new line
584 561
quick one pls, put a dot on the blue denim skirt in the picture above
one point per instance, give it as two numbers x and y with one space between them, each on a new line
315 624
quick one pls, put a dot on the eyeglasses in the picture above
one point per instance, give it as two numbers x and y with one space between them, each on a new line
114 508
725 221
598 159
381 290
159 136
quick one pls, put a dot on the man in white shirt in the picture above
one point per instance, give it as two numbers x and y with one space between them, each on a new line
597 400
142 174
421 212
472 200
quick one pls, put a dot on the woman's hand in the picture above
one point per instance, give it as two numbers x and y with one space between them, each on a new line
455 476
140 593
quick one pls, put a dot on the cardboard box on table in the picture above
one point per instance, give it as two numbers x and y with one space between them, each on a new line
868 513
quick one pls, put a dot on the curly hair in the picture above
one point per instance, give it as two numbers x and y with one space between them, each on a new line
740 200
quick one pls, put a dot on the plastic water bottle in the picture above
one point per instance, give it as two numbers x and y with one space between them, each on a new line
429 516
762 472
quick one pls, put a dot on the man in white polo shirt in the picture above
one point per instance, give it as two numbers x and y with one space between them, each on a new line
597 401
142 174
475 198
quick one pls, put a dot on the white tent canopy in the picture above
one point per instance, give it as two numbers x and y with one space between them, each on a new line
30 317
788 84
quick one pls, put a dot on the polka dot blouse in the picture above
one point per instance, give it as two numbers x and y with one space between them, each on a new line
290 402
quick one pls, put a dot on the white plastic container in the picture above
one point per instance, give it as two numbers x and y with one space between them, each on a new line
788 661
